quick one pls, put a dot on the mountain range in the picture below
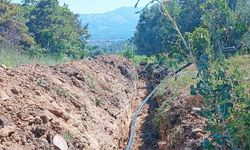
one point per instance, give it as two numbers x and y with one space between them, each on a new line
117 24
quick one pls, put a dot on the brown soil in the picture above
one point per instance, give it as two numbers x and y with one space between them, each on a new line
145 136
88 103
181 126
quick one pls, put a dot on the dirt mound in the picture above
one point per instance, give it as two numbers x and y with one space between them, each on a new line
181 126
86 104
153 73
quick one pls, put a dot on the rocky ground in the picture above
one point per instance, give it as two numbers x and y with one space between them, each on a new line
89 105
85 104
182 127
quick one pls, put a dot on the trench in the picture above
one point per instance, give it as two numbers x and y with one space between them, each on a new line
143 136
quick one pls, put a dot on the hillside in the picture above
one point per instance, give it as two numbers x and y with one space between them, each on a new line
117 24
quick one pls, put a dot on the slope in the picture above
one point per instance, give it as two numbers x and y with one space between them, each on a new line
117 24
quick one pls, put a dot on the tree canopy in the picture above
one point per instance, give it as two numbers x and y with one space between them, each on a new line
42 26
226 21
12 26
56 28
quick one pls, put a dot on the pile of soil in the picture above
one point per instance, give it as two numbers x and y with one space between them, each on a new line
89 104
78 105
153 73
181 125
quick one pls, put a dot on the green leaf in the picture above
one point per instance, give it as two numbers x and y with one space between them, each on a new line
193 90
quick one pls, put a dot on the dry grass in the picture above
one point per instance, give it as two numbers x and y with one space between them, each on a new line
12 57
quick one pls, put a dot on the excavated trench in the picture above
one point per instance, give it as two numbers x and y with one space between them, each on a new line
144 136
85 104
179 123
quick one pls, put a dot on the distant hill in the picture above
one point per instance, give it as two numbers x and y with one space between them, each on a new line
113 25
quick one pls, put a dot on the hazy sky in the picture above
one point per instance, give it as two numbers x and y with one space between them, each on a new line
97 6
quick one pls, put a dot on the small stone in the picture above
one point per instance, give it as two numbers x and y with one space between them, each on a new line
196 109
28 118
3 95
9 108
196 130
4 66
200 135
16 138
76 82
31 79
1 80
37 92
62 80
59 113
23 140
6 131
60 143
65 117
10 74
8 144
3 121
143 63
56 112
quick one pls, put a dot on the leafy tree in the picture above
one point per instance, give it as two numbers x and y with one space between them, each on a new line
225 25
226 20
29 2
190 15
56 28
13 30
151 30
155 33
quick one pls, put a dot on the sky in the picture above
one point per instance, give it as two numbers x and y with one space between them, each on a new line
97 6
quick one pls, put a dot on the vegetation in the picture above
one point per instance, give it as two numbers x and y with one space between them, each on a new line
56 28
228 27
137 59
13 29
42 28
216 29
211 34
12 56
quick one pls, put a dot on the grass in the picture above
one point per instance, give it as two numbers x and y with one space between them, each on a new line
187 77
176 86
91 82
12 57
242 62
68 136
181 84
98 102
143 58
